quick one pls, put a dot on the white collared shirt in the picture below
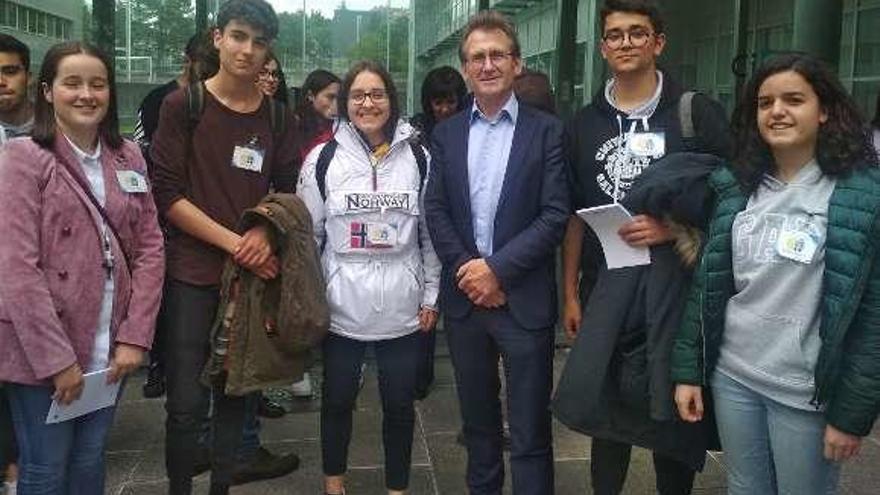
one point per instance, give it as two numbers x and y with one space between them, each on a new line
94 172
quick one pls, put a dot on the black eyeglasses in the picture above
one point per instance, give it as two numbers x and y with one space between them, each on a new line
637 38
376 96
270 74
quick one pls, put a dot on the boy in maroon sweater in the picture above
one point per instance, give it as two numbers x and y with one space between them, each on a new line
206 175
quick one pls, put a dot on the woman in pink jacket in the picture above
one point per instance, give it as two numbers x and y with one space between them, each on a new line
80 283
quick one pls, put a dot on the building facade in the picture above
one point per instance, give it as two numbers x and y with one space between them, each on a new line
713 46
41 23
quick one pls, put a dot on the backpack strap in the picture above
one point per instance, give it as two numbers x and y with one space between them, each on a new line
323 164
686 114
195 103
421 161
327 152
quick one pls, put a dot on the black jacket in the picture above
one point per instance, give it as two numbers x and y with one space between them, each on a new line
615 384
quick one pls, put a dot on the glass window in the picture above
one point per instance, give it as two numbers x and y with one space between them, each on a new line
867 58
865 94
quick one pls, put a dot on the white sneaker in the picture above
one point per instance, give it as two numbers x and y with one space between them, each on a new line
9 488
303 388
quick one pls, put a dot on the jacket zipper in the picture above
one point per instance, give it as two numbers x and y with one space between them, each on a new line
703 333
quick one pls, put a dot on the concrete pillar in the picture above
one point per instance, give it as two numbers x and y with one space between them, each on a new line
816 28
103 20
201 16
566 51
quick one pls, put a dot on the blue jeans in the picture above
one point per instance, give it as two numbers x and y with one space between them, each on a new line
58 459
769 447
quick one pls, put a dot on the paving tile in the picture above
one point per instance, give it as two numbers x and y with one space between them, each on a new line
861 475
135 460
137 426
120 467
366 446
292 426
572 477
440 412
569 444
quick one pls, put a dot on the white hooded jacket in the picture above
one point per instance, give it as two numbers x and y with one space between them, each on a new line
379 264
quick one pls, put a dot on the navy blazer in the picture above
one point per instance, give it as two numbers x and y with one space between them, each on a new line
529 224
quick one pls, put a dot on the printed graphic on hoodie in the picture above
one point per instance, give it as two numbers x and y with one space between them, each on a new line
757 237
616 163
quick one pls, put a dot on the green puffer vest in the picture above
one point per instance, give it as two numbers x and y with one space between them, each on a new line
848 368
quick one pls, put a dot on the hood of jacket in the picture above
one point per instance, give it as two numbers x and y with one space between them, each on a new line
351 139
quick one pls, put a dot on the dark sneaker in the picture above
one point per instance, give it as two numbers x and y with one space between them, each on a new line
268 408
264 465
155 385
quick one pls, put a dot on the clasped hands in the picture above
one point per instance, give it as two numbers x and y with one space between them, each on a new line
477 280
254 252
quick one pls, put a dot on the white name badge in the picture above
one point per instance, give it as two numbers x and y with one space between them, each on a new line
649 144
247 158
381 235
797 246
131 181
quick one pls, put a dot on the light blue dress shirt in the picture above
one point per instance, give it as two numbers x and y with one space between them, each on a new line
489 145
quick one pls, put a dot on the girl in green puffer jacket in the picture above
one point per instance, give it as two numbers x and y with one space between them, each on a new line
783 323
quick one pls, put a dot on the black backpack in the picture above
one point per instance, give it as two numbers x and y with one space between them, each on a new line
326 156
195 107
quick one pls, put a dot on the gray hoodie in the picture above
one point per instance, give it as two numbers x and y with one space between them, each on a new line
771 335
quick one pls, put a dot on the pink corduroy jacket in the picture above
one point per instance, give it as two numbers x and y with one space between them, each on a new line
51 260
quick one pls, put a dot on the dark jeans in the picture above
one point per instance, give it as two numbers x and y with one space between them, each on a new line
59 458
425 377
609 462
8 447
189 314
397 361
476 343
157 351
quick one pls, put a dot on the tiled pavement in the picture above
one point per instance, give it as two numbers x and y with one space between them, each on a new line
135 458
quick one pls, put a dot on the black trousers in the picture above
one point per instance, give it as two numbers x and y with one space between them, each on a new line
397 361
189 314
609 463
8 447
427 347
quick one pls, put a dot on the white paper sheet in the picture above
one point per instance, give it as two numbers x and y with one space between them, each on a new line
97 394
606 221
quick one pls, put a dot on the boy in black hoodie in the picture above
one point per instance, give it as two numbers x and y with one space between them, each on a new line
643 102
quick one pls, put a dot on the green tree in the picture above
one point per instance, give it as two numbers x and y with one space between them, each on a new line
373 45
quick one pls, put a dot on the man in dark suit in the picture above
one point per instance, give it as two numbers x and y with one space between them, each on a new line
496 206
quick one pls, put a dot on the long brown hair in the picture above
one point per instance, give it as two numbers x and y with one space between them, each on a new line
44 113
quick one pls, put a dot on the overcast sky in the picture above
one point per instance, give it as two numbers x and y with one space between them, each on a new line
328 6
